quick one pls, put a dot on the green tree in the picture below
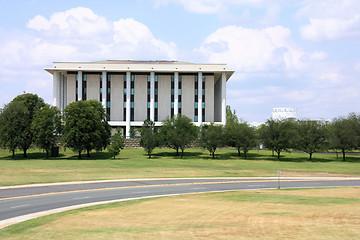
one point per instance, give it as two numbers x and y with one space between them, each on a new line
12 124
343 134
46 127
149 137
211 137
311 136
32 103
277 135
85 127
117 142
101 130
178 133
239 135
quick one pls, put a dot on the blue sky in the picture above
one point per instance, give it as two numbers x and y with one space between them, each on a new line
301 54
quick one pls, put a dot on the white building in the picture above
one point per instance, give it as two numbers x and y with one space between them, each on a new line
132 91
284 113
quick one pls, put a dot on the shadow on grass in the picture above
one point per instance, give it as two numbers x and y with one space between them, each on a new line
172 154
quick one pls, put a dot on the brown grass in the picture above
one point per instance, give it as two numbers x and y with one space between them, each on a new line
214 216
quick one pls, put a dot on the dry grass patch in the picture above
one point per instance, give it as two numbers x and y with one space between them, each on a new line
268 214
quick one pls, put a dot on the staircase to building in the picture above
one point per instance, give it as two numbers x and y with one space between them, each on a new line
132 143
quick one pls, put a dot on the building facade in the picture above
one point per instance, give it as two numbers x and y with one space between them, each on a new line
132 91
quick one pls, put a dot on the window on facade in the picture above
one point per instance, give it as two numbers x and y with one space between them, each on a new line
132 97
84 81
100 88
107 95
125 95
196 97
172 95
179 93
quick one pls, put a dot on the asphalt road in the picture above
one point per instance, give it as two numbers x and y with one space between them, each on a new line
25 202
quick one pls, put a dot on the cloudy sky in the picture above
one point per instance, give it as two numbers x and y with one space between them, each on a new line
301 54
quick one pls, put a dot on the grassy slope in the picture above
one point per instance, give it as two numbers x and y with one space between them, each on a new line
254 214
133 163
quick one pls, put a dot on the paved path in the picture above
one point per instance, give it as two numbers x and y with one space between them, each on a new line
20 203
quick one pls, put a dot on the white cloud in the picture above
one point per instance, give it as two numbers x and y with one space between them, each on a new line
77 34
76 22
133 36
207 6
331 29
253 49
330 20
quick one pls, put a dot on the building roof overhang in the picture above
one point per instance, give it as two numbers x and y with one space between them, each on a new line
140 66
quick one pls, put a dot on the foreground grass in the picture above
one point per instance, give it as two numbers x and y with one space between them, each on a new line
133 163
261 214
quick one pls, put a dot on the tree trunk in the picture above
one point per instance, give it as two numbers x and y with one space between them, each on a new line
245 151
47 153
310 156
177 151
79 156
114 156
13 153
278 155
343 152
88 153
213 154
182 153
25 155
239 153
272 150
149 154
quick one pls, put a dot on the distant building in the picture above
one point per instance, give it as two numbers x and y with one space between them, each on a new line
284 113
132 91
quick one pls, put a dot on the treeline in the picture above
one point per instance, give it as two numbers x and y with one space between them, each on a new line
27 121
82 127
310 136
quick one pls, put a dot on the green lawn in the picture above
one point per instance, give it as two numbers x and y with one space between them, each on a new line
133 163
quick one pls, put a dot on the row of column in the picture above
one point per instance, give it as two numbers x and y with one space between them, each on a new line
60 86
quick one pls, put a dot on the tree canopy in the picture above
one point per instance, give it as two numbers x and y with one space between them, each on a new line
277 135
311 136
178 133
11 125
343 134
46 127
85 127
211 137
149 137
117 143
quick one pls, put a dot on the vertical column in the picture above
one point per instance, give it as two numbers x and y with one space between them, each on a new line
128 94
104 88
152 96
176 93
56 88
80 80
65 91
61 92
200 98
223 98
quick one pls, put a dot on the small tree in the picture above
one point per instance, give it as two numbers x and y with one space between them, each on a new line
311 136
343 134
117 142
11 125
149 137
85 127
277 135
178 133
46 127
32 103
211 137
